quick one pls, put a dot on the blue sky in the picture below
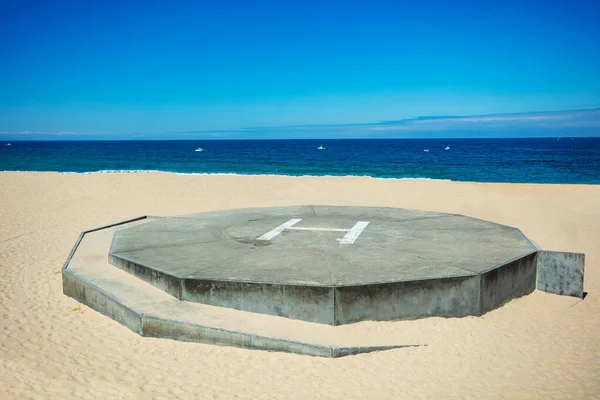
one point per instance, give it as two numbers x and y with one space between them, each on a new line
123 69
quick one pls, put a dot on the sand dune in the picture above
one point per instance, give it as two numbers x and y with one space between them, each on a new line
539 346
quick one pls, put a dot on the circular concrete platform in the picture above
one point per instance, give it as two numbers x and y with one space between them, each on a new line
332 265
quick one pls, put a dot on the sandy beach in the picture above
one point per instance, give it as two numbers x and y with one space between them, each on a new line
539 346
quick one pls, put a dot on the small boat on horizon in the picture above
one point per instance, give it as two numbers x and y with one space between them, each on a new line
321 147
199 149
447 148
426 150
7 144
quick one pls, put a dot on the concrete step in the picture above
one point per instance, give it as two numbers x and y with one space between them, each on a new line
148 311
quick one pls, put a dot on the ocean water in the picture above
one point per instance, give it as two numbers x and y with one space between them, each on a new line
540 160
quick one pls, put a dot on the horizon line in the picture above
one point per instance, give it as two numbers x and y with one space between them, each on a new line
304 139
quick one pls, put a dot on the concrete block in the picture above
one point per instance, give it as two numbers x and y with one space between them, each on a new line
560 273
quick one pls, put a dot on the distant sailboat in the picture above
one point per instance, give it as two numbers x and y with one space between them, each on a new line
199 149
321 147
426 150
447 148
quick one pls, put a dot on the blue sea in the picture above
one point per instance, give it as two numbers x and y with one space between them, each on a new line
539 160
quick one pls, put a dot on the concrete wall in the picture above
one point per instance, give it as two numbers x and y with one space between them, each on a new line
165 282
162 328
92 296
147 325
447 297
553 272
507 282
307 303
560 273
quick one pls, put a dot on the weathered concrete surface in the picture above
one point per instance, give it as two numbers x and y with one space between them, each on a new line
397 245
449 297
305 302
165 282
87 293
560 273
506 282
148 311
156 311
403 264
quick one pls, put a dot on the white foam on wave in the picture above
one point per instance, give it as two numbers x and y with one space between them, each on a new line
142 171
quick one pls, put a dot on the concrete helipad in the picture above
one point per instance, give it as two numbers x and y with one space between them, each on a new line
332 265
225 274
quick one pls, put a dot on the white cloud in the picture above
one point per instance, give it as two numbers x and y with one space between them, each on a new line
546 120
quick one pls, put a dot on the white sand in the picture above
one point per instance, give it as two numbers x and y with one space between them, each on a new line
540 346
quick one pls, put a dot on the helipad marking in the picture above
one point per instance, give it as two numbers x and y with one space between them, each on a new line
350 237
271 234
353 233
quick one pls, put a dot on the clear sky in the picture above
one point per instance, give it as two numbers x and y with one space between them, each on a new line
126 68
